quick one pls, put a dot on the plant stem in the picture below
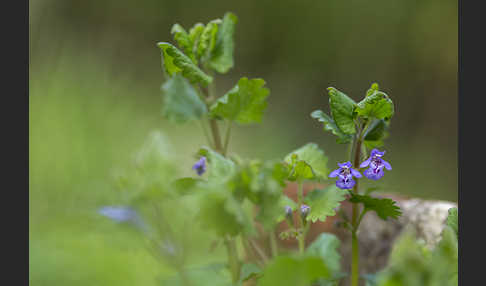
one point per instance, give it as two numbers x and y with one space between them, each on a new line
229 242
216 137
301 237
233 262
354 219
259 250
354 260
360 218
273 244
251 252
227 137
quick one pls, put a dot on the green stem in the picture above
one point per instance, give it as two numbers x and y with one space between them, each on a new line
354 260
230 243
233 262
355 220
218 147
301 237
360 218
273 244
227 137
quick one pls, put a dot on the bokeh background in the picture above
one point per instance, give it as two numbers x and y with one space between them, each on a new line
95 76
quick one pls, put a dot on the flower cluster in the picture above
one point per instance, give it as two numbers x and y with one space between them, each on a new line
375 171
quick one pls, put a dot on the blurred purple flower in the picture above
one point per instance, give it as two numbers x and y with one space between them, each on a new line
288 211
345 174
376 165
122 214
288 215
200 166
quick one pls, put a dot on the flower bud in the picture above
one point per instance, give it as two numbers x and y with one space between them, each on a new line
304 211
289 216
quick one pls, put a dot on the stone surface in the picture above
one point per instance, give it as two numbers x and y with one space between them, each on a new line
376 236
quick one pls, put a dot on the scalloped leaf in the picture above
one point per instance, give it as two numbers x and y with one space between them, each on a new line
330 125
307 162
384 207
181 101
342 109
221 59
244 103
324 202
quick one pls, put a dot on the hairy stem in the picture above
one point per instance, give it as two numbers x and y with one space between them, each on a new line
301 237
354 220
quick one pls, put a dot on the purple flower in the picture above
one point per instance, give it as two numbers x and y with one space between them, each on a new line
345 174
375 171
304 211
200 166
123 214
119 214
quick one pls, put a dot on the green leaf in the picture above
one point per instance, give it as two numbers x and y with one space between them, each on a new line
323 202
187 185
294 271
330 125
376 133
222 55
374 88
445 255
413 263
342 108
248 271
175 61
307 162
376 130
376 104
263 184
219 168
222 213
207 40
452 220
326 246
214 274
181 101
383 207
299 170
183 40
195 34
244 103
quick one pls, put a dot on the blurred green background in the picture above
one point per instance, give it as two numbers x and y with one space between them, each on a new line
95 76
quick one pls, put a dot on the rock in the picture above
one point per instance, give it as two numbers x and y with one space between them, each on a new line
376 236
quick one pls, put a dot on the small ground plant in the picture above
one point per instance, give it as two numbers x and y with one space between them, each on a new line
241 201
